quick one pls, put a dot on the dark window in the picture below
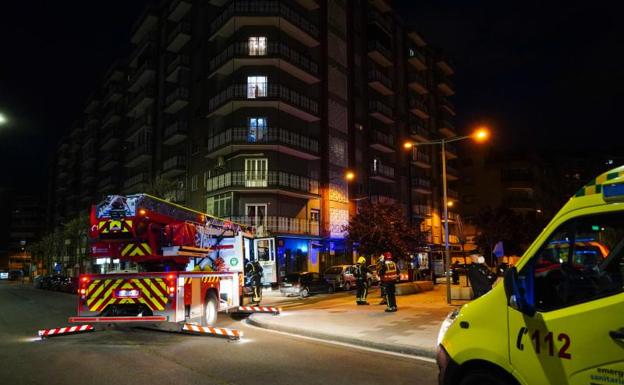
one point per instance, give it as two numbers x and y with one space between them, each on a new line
582 260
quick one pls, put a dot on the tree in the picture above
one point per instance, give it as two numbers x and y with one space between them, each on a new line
76 231
381 227
161 187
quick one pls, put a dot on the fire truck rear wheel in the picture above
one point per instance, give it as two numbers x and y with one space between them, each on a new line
211 307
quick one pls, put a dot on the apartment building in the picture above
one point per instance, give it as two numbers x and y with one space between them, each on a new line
254 111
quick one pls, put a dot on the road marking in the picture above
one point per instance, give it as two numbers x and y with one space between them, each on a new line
413 357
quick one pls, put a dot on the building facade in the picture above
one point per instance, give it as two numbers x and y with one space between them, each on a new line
254 111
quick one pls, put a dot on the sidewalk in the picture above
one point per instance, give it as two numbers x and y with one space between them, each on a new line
412 330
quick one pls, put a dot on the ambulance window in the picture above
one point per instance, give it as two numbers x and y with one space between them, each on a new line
582 261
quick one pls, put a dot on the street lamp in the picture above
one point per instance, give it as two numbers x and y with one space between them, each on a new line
3 119
480 135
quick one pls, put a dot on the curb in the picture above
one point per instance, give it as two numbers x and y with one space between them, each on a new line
394 348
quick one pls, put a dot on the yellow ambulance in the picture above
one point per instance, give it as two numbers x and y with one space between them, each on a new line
558 315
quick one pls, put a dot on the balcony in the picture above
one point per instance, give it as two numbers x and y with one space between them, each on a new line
143 50
416 58
380 54
180 35
142 123
380 111
452 174
146 23
382 142
178 9
136 181
176 100
382 173
310 5
92 104
445 86
173 167
177 66
278 55
418 108
451 151
141 101
419 133
277 96
417 83
107 184
109 161
446 105
244 13
446 128
112 117
380 82
374 16
142 76
277 182
175 133
420 159
110 138
273 138
114 93
421 185
421 210
281 225
138 155
445 67
452 194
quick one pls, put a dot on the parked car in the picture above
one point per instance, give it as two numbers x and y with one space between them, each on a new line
304 284
69 285
54 282
373 277
341 276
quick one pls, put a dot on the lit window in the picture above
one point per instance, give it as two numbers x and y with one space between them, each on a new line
256 172
256 87
257 130
220 205
194 182
257 46
257 214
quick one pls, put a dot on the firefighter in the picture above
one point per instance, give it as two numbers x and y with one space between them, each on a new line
254 277
361 280
388 276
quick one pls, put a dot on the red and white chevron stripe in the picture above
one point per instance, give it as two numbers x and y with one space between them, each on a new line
65 330
232 333
261 309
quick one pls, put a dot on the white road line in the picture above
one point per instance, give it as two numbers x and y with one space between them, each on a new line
419 358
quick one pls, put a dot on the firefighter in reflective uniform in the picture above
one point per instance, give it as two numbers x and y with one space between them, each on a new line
388 276
254 279
361 280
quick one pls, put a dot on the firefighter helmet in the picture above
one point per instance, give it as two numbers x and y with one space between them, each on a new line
387 256
361 260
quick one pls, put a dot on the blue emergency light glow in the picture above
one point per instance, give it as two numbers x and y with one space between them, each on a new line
613 190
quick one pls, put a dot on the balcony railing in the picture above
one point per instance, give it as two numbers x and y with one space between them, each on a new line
452 194
263 8
143 95
379 107
179 36
375 75
271 135
147 65
381 138
138 155
376 16
382 170
179 61
421 157
274 91
419 131
179 93
175 162
144 121
421 182
283 225
274 49
421 210
136 179
375 45
176 132
263 179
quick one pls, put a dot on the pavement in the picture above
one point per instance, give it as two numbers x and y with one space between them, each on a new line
412 330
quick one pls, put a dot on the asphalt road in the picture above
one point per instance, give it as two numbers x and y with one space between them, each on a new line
136 356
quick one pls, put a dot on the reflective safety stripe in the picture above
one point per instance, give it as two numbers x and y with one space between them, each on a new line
153 293
136 249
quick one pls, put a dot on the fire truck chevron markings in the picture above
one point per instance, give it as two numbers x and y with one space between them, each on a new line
65 330
231 333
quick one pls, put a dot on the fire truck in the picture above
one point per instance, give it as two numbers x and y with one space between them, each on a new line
161 262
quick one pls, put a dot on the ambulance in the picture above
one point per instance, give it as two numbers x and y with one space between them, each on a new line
558 315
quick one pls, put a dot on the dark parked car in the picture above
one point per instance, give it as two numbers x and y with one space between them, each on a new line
54 282
69 285
304 284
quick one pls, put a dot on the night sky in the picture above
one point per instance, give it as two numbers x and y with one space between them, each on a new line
542 75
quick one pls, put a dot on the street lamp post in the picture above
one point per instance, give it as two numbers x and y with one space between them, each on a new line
480 135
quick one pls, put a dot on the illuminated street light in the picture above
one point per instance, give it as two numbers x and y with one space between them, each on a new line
349 176
480 135
3 119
